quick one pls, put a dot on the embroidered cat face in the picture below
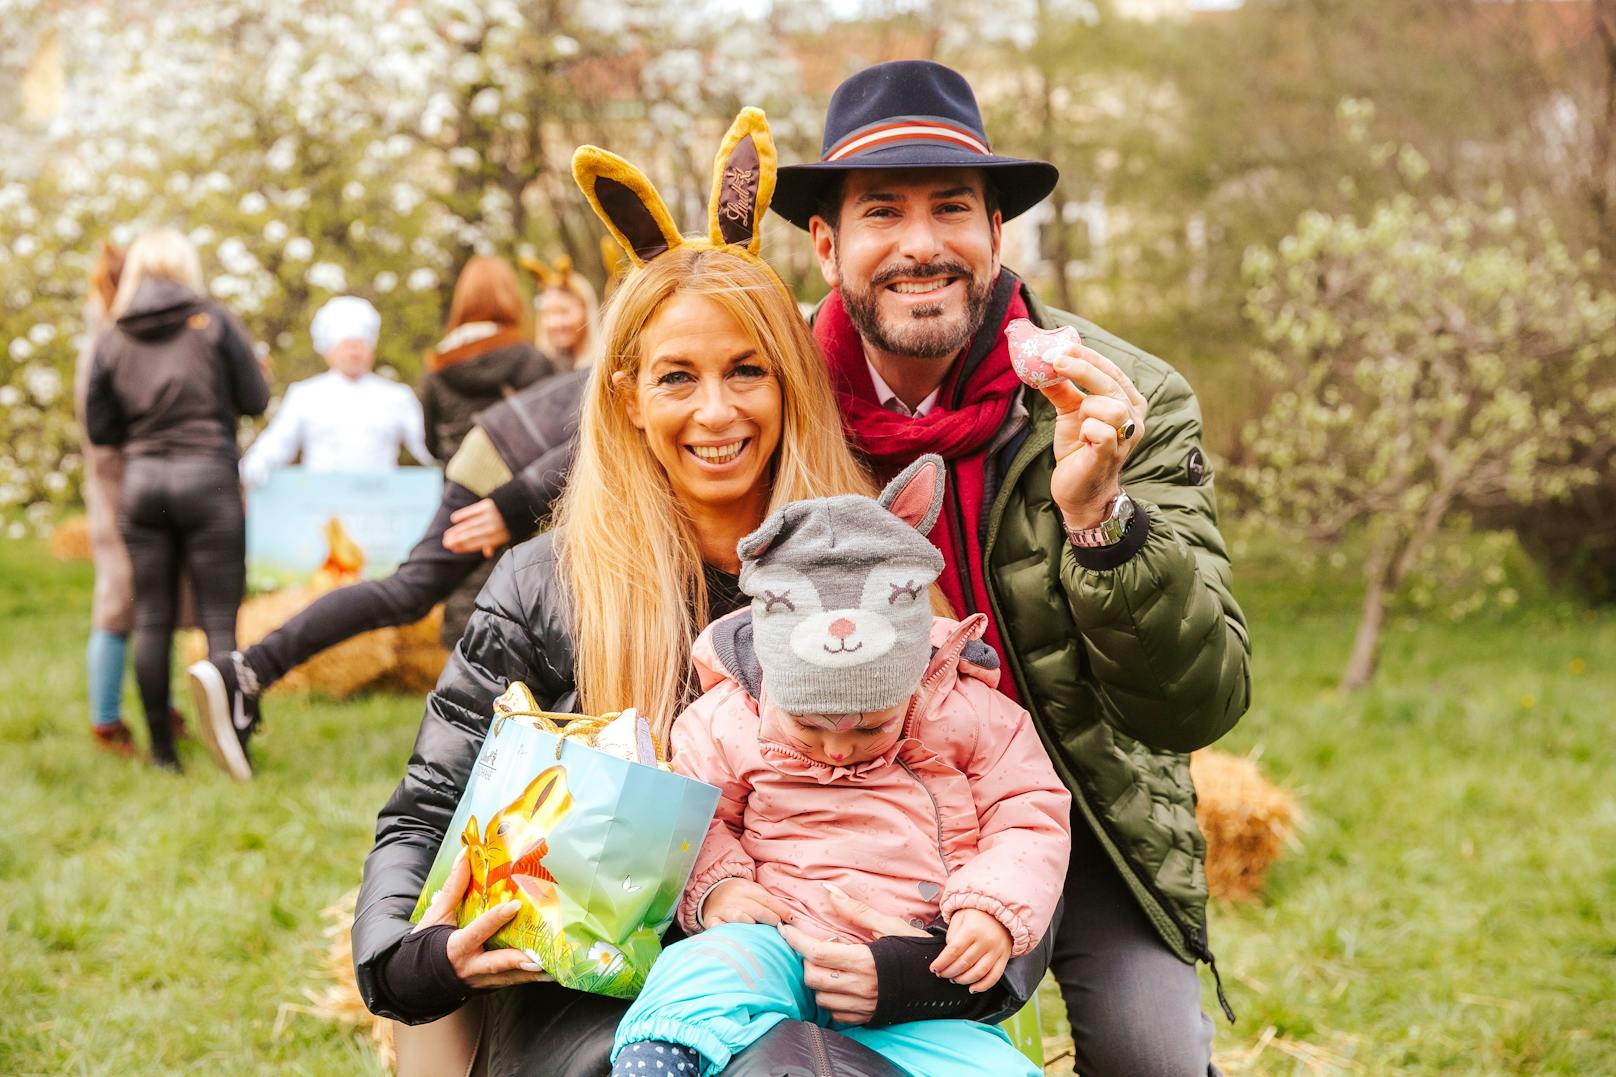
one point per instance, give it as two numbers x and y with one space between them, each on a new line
841 609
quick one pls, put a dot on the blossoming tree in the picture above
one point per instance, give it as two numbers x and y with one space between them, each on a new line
1437 356
312 147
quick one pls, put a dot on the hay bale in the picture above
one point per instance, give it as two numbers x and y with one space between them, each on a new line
70 539
335 995
1246 819
404 659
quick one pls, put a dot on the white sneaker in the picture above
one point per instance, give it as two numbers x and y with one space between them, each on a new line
224 716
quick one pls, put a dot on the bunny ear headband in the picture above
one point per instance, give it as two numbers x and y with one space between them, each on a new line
548 277
636 216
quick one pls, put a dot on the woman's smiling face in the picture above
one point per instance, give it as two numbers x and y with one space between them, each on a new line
708 403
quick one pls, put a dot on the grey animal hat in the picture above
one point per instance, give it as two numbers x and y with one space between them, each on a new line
841 609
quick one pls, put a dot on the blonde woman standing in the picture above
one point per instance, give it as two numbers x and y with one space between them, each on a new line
167 384
568 321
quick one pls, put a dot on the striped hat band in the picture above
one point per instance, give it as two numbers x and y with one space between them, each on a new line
898 130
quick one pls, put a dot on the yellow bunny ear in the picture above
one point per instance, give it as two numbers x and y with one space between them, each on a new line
539 270
743 182
611 256
563 267
624 199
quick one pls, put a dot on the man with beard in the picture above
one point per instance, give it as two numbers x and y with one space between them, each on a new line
1080 519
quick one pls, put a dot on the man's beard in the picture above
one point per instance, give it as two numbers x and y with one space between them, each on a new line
925 332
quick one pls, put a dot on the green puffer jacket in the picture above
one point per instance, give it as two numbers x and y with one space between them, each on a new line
1127 669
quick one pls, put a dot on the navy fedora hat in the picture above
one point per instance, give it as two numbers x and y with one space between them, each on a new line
907 114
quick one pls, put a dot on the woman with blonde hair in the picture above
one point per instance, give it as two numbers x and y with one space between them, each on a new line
484 356
167 384
709 409
568 323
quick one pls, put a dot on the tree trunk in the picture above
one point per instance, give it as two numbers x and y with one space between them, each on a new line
1390 567
1603 188
1366 646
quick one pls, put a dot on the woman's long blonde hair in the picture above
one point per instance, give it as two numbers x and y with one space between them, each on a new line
160 253
628 551
588 349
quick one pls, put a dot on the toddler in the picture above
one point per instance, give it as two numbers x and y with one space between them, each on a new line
859 745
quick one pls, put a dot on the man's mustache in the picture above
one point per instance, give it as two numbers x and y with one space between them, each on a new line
921 271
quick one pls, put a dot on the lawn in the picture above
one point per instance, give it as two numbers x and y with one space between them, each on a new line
1450 908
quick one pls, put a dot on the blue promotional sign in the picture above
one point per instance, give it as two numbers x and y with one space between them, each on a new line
384 512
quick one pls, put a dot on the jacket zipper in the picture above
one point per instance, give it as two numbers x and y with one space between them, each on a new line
1194 941
936 812
962 556
816 1036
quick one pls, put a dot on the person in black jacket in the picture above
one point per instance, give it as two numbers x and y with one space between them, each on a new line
485 355
168 383
497 487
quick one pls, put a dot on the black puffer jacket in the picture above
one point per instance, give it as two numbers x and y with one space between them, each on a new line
452 395
522 630
172 376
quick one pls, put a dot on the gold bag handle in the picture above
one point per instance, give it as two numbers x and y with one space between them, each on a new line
518 702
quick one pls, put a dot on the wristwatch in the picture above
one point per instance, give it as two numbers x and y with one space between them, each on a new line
1110 530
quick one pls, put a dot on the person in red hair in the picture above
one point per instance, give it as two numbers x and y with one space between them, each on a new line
485 354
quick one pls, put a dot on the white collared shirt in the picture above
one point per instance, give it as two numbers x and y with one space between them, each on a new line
340 424
889 399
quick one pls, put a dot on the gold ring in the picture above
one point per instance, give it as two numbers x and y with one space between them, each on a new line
1125 432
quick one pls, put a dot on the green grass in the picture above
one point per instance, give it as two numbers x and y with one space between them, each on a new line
1450 908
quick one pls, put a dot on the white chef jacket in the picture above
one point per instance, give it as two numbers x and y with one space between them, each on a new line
340 424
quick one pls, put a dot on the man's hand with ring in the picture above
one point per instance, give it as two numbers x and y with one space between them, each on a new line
842 974
1100 417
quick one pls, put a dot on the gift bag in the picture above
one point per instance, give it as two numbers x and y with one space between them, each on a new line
597 842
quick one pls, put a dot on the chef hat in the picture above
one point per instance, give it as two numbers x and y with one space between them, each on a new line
347 317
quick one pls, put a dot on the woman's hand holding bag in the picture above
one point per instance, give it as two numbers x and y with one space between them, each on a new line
476 967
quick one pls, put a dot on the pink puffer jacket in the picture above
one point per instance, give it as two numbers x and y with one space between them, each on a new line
964 813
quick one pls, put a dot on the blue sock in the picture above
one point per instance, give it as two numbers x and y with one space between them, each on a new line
656 1058
105 658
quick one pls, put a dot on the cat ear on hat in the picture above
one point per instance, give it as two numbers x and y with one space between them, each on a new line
916 495
743 182
627 202
757 544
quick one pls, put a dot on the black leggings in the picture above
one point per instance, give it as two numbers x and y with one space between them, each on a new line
425 578
180 514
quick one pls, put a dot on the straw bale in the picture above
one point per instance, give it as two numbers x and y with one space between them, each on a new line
70 539
404 659
1247 821
334 995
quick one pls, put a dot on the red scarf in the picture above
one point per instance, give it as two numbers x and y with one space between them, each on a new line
959 434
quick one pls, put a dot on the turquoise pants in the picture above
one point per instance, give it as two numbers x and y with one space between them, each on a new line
722 990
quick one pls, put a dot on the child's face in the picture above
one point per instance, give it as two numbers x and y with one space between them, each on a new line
842 740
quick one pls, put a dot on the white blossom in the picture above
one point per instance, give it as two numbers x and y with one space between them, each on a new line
327 275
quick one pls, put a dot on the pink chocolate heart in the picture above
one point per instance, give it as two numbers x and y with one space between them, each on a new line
1028 346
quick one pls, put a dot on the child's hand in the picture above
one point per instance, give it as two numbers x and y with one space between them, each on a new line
742 901
978 950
